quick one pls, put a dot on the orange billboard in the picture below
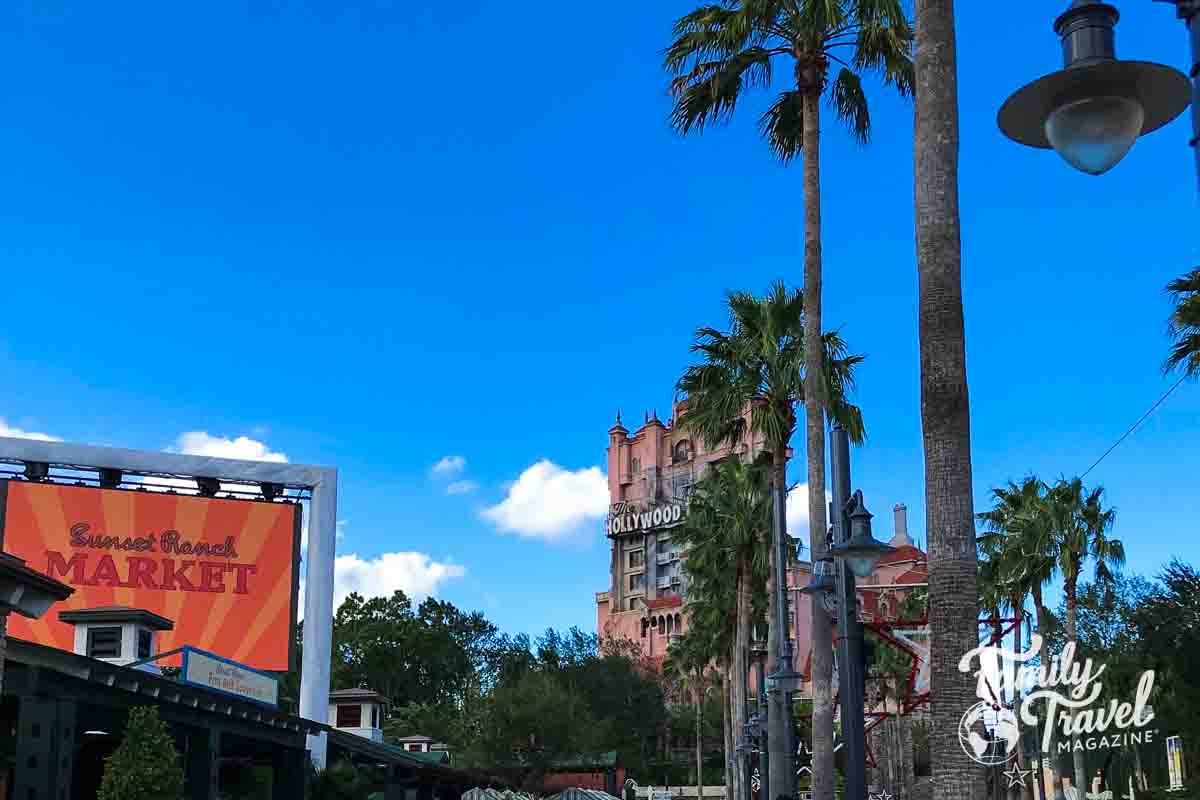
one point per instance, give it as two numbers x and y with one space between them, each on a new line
224 571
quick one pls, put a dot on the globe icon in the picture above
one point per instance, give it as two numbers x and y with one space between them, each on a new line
989 734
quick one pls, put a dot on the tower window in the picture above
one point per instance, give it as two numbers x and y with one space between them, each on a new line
683 451
636 466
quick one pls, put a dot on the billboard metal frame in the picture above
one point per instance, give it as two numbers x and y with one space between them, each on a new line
321 482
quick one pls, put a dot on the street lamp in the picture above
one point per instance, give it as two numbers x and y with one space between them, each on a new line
861 551
822 584
1093 109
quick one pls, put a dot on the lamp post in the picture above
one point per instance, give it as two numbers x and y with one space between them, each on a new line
1093 109
784 679
855 552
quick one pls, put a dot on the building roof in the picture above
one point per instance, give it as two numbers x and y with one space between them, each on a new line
426 763
416 737
145 687
587 761
117 614
359 694
906 553
27 591
581 794
915 575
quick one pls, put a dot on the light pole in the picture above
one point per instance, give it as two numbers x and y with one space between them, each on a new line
855 552
1093 109
784 679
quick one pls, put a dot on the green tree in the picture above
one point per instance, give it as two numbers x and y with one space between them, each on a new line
1167 625
759 366
1037 532
945 404
146 765
341 781
532 724
727 535
687 663
1183 324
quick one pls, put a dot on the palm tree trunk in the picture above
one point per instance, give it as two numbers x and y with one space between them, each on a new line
1025 791
945 411
779 777
814 428
699 735
731 759
741 664
1078 759
1042 616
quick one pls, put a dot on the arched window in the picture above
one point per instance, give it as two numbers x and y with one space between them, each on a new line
670 624
683 450
678 623
636 466
645 625
654 622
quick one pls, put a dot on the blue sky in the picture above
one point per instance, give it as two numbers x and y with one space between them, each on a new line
378 234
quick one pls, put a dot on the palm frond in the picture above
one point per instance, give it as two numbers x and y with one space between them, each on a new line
782 125
1183 324
849 103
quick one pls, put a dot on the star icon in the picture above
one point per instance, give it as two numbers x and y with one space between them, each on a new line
1016 775
885 796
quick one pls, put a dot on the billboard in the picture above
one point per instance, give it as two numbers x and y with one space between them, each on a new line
226 572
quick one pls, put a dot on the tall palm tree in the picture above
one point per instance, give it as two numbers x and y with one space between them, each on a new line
760 364
1039 532
1079 533
945 410
724 48
1184 324
1014 547
688 660
724 533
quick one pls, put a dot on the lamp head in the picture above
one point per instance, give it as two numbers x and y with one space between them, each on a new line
1094 109
863 551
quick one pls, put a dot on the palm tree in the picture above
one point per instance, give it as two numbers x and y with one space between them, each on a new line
1184 324
688 661
1039 532
1079 532
724 48
760 364
945 410
724 533
1015 554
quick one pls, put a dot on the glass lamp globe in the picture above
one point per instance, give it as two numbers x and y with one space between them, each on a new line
1094 133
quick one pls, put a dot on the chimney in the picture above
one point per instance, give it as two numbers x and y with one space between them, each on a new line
901 538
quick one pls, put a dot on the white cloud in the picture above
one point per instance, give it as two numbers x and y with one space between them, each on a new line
199 443
462 487
416 574
449 466
17 433
549 502
797 515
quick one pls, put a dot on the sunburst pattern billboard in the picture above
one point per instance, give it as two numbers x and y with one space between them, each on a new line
225 571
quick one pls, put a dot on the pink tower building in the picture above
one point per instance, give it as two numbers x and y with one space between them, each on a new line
651 474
